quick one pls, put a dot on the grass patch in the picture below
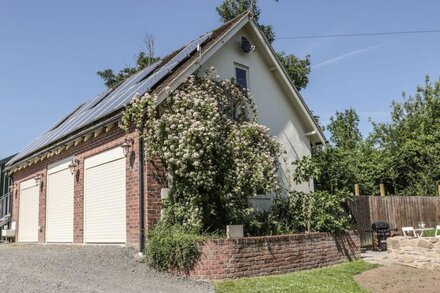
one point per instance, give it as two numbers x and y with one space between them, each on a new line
429 233
338 278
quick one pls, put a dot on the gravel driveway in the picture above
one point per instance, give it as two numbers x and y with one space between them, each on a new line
52 268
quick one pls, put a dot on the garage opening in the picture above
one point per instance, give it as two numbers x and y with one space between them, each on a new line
105 197
59 203
28 211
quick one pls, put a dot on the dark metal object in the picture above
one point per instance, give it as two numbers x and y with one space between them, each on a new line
381 231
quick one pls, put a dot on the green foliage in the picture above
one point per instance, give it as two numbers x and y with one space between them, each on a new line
172 248
297 69
404 154
337 278
111 79
269 33
328 213
410 144
338 169
229 9
306 169
143 60
318 211
344 129
216 154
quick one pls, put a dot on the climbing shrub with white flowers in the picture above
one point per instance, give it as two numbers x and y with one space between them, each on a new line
216 154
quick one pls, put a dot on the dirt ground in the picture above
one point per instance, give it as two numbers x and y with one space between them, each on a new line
394 279
51 268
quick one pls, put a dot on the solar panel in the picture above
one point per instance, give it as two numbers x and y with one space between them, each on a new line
111 100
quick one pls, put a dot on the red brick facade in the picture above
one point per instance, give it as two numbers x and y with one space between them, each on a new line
93 146
270 255
220 259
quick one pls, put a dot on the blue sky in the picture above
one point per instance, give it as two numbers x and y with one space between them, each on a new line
50 52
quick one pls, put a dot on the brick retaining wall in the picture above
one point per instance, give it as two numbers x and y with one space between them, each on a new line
270 255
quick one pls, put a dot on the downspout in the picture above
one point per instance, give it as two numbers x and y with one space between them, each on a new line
141 195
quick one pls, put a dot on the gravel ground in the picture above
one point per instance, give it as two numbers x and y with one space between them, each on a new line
53 268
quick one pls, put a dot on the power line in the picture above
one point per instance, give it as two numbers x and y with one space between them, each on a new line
360 34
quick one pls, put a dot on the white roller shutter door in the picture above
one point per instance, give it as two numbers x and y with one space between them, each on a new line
28 214
105 198
59 203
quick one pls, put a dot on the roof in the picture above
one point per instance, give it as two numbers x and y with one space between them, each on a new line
5 160
113 100
168 71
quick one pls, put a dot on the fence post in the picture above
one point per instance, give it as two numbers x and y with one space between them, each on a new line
357 190
382 189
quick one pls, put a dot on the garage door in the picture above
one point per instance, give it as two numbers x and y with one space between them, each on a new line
28 211
104 198
59 203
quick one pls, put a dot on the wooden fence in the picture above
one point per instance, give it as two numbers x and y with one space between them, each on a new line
398 211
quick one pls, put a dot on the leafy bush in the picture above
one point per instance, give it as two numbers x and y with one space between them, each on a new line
172 248
403 154
317 211
328 213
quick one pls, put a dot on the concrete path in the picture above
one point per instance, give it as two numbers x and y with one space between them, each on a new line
377 257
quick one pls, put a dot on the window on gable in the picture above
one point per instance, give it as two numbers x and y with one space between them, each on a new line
241 76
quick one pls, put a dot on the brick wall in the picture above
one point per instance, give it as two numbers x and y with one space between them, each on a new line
105 141
155 175
259 256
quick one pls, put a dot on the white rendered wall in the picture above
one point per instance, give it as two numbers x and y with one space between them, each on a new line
275 108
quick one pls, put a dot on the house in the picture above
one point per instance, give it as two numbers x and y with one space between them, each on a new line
76 184
5 197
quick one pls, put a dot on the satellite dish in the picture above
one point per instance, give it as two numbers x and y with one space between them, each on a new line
246 46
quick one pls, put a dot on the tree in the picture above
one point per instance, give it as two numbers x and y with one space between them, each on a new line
229 9
347 160
143 60
410 144
297 69
404 154
344 129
